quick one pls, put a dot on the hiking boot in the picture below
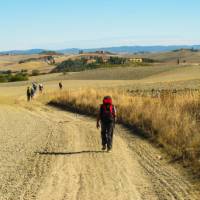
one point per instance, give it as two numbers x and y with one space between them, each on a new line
104 148
109 150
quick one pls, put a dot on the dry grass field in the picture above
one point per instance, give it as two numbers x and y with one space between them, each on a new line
11 62
171 57
183 73
160 73
171 119
29 66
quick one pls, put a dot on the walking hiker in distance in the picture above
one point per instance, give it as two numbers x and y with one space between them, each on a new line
40 87
34 85
32 92
60 85
107 117
28 93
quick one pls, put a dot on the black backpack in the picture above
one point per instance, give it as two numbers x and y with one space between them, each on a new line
107 113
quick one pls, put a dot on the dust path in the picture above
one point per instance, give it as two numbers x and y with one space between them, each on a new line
51 154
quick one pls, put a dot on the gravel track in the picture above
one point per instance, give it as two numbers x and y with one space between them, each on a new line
50 154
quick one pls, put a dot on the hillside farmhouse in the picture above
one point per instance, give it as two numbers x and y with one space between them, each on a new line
135 60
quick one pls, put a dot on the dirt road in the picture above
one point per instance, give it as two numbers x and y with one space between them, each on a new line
49 154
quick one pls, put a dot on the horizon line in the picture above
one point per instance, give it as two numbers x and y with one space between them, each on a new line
87 48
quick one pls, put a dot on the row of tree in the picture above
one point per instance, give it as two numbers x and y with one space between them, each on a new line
9 77
74 66
82 64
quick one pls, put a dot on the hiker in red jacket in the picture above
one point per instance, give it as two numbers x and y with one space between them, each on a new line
107 117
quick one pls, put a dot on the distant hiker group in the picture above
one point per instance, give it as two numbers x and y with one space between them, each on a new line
31 90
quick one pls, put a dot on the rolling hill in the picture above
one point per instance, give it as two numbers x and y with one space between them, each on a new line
120 49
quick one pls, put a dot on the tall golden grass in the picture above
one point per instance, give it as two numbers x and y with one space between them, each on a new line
170 119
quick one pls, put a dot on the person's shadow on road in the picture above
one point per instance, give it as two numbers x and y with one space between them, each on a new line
68 153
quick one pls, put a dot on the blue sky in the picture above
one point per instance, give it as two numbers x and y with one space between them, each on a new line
57 24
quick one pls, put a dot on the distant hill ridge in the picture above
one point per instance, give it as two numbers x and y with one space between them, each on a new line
119 49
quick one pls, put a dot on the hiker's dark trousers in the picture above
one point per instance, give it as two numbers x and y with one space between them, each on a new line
107 134
28 97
